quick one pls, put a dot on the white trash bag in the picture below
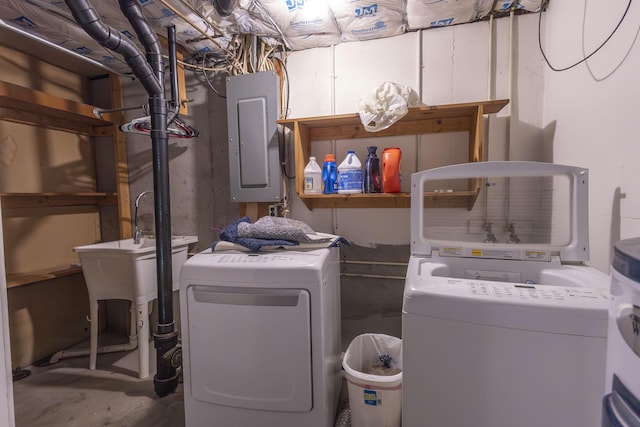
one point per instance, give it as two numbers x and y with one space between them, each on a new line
387 104
373 368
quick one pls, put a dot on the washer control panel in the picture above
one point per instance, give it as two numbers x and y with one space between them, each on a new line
534 292
277 258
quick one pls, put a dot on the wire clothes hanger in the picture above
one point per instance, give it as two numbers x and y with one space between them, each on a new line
177 128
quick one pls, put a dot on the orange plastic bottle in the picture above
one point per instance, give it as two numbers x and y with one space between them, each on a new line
391 170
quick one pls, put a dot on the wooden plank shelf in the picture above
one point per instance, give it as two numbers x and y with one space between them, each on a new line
466 117
31 107
39 200
457 199
21 279
363 200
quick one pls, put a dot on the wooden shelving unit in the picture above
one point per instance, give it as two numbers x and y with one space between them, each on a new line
14 280
28 106
420 120
40 200
39 109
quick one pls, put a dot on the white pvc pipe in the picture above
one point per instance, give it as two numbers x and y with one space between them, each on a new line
490 88
391 263
420 93
510 83
334 212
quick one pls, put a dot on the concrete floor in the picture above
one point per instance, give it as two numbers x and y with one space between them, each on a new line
68 394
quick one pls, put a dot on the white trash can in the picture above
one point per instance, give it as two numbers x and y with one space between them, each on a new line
373 364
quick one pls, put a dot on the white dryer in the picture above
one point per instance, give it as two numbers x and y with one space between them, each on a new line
261 338
502 324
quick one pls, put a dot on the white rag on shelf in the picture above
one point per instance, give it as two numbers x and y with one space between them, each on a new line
387 104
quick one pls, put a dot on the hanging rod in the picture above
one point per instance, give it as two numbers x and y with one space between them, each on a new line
98 112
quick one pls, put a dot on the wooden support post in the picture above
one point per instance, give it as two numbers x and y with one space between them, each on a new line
122 168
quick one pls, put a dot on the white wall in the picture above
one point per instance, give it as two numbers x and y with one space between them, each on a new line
591 112
444 65
6 384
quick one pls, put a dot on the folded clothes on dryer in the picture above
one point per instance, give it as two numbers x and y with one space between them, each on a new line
271 233
273 227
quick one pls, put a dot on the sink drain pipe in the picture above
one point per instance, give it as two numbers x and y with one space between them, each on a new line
150 72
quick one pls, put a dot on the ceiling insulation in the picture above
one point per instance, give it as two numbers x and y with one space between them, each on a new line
212 29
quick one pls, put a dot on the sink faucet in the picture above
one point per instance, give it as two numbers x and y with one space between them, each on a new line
137 234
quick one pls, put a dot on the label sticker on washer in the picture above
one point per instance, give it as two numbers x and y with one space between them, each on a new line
536 255
451 251
370 397
493 253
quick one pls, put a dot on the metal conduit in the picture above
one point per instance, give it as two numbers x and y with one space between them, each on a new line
374 263
373 276
392 263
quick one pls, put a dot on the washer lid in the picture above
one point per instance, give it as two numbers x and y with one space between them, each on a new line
626 258
501 210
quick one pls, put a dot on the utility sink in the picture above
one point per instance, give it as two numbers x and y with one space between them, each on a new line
147 245
122 269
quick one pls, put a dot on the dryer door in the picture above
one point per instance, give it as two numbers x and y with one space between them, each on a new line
250 348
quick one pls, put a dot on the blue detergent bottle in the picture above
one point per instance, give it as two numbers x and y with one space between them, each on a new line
330 175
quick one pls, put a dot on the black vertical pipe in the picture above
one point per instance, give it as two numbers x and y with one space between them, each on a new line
87 17
151 75
165 336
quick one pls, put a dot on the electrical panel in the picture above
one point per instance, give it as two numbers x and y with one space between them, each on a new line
254 153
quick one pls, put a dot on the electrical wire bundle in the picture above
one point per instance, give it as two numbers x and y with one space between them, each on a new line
244 54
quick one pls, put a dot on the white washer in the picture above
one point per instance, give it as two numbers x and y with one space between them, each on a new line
261 338
621 406
496 333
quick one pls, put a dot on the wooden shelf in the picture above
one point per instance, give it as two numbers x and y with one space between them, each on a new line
27 106
39 200
420 120
31 107
458 199
14 280
363 200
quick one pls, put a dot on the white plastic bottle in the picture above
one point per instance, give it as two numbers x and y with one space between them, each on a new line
312 177
350 174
